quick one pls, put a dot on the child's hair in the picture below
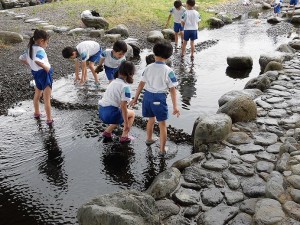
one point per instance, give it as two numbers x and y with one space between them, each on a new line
191 2
120 46
177 4
163 49
38 34
126 69
67 52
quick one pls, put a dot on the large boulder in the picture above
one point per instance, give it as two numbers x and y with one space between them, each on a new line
210 129
252 93
10 37
273 66
215 22
261 82
285 48
155 36
240 61
135 46
126 208
119 29
9 4
169 34
295 44
266 58
295 19
93 21
240 109
237 73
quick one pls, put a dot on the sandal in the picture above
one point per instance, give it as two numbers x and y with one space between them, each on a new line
150 142
163 153
126 140
49 122
106 135
37 115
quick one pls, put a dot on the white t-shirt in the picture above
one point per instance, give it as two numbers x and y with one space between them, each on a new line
177 14
38 54
110 61
159 78
191 18
86 49
117 91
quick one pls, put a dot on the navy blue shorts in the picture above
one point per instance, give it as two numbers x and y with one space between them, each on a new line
293 2
277 9
190 35
96 57
42 78
110 115
177 27
110 72
155 105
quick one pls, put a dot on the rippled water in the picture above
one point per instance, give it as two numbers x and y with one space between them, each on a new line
46 174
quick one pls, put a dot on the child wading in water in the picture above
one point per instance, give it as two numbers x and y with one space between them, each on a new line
85 51
113 106
41 70
177 11
158 79
189 21
112 58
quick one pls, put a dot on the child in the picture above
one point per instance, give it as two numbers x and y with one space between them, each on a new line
113 106
158 79
277 5
112 59
177 11
41 70
86 51
189 21
293 3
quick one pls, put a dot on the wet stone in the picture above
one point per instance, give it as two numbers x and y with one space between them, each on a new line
295 169
274 148
264 104
249 148
231 180
264 138
292 209
218 215
219 182
290 221
295 194
237 138
242 169
235 160
196 174
261 112
192 211
233 197
268 212
248 205
216 165
183 163
211 197
266 156
282 105
249 158
242 219
177 220
282 163
274 100
278 113
292 119
167 208
295 153
191 186
268 121
254 187
274 187
264 166
186 196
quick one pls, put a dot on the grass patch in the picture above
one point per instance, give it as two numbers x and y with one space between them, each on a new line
139 12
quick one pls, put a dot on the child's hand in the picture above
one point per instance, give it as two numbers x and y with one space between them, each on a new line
99 69
176 112
132 102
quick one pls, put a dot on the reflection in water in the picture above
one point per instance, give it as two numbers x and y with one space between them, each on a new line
52 165
237 74
117 159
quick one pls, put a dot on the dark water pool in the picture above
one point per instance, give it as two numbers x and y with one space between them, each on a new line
46 174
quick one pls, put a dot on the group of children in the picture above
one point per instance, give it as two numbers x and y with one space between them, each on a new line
277 6
157 81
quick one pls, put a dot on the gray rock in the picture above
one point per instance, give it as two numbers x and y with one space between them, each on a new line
268 212
285 48
266 156
164 184
282 163
295 194
188 161
295 169
119 29
274 19
261 82
266 5
155 36
252 93
242 169
273 66
277 113
10 37
264 138
241 219
253 187
167 208
290 221
294 180
185 196
92 21
266 58
219 215
249 148
112 37
240 61
263 104
215 22
77 31
177 220
216 164
237 138
231 180
196 174
97 33
292 209
287 147
126 207
248 205
249 158
233 197
192 211
274 187
211 197
264 166
169 34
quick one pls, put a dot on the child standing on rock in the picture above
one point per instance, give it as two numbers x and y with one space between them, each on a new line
158 79
85 51
112 58
189 21
41 70
177 11
113 106
277 7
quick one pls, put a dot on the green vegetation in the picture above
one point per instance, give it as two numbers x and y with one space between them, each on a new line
139 12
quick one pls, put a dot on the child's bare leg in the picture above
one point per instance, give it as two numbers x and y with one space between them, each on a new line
47 102
181 36
110 128
131 116
36 100
163 135
183 47
176 39
92 68
192 49
150 126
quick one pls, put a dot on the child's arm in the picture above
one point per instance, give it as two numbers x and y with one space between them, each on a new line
137 94
101 61
125 115
168 20
40 64
76 70
174 101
